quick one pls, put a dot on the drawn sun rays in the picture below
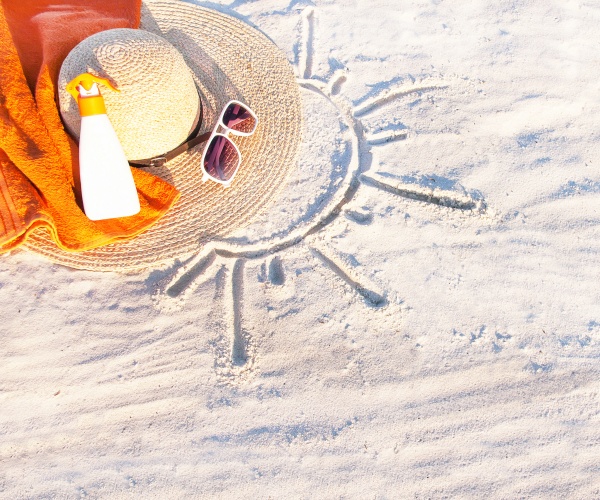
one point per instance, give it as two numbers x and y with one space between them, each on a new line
225 262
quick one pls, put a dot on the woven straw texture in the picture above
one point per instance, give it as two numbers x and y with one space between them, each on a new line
229 60
157 105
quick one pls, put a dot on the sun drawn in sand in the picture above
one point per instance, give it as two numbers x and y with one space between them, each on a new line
335 125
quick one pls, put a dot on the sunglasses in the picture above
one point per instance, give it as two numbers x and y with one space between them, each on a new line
221 158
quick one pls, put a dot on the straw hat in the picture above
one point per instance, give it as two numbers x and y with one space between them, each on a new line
192 51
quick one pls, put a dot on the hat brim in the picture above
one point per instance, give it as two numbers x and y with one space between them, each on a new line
230 60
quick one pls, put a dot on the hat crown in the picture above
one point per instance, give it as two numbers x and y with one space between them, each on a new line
158 104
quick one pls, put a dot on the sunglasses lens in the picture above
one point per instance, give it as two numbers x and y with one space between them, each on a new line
221 159
238 118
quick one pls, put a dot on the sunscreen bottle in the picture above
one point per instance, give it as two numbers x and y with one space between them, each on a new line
107 186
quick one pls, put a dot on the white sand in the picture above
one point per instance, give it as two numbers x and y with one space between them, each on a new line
440 338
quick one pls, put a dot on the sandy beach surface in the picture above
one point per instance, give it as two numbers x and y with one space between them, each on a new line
417 316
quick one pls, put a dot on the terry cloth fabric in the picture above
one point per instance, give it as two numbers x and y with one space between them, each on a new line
38 160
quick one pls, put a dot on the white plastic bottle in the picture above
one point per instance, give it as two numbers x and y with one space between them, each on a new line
107 186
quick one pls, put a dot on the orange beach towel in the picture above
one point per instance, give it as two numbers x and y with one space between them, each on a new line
38 160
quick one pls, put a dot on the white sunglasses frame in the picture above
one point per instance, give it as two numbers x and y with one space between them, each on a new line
220 124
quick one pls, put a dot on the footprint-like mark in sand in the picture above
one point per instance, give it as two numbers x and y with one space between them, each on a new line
276 272
334 165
